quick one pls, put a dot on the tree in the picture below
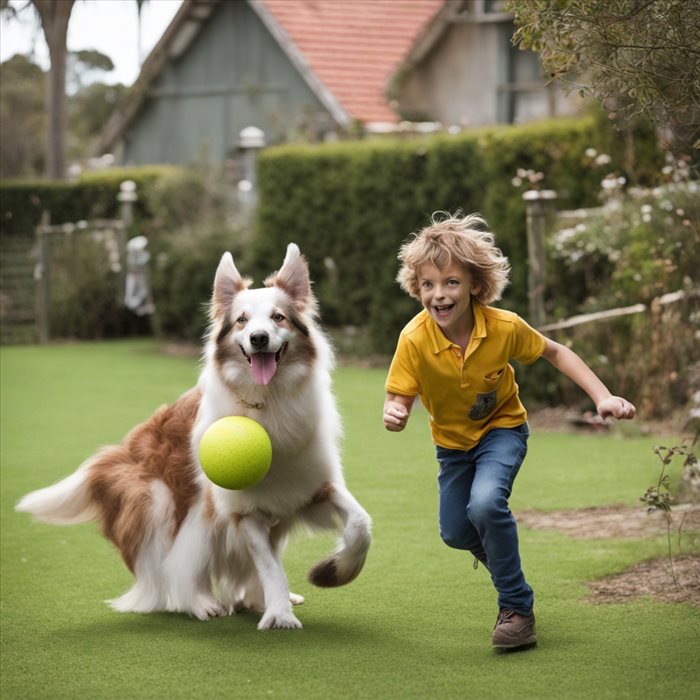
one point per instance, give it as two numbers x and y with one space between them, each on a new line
23 117
54 15
23 110
636 57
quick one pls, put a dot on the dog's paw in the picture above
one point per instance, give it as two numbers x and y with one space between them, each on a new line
279 620
296 599
206 607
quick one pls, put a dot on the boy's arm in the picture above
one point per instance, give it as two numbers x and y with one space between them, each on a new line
397 409
570 364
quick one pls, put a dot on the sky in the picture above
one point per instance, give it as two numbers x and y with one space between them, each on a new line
110 26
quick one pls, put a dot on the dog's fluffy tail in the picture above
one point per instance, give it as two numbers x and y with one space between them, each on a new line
64 503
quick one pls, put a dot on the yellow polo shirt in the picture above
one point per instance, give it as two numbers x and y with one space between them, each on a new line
465 395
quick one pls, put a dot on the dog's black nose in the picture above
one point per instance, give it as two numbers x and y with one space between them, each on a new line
259 340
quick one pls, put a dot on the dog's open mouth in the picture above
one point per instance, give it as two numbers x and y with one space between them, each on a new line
263 365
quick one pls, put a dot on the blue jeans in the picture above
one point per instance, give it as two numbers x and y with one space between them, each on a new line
474 515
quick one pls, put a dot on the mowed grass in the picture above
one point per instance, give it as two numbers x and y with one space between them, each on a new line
417 622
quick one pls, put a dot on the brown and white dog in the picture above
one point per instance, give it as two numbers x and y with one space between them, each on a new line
192 546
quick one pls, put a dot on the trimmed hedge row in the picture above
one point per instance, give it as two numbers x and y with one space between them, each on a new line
349 206
91 196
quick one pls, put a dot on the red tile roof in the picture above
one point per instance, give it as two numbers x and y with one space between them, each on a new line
354 46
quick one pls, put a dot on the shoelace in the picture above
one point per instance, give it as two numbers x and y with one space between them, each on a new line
504 616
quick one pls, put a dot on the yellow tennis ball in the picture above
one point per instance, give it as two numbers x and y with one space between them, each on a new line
235 452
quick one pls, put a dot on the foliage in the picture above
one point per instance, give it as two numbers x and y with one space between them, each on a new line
350 206
659 496
93 195
183 275
636 57
86 297
23 118
89 110
641 243
192 224
182 197
23 147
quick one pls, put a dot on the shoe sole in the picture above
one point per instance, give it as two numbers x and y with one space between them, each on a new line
521 646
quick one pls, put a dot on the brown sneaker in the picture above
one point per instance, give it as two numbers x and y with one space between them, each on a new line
513 630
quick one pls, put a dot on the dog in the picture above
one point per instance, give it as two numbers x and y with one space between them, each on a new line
193 546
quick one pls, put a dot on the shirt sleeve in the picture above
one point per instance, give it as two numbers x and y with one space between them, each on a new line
528 343
402 378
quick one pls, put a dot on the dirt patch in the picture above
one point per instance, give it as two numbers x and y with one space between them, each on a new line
650 578
611 521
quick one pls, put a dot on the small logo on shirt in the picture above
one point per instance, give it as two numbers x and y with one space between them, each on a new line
483 406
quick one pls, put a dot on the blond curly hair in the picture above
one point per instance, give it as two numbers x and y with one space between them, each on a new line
452 238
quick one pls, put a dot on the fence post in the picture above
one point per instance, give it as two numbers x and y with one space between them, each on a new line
539 210
126 197
250 141
42 273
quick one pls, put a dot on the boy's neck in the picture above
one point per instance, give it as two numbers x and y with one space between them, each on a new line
461 333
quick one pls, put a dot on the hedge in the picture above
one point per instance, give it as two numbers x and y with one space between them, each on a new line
91 196
349 206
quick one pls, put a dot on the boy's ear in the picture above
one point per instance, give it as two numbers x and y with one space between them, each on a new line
227 283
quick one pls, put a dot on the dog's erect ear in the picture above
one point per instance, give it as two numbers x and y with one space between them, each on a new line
293 276
227 283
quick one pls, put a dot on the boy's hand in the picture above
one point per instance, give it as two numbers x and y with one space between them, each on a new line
616 407
395 417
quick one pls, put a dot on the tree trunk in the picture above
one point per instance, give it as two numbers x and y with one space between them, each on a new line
54 16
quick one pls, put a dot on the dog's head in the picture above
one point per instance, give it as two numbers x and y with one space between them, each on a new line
265 329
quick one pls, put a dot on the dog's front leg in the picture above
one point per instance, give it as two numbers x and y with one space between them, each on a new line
347 561
278 609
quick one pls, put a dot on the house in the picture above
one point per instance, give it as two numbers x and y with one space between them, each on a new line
464 71
317 69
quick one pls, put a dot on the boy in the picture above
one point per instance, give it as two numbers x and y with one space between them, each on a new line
455 356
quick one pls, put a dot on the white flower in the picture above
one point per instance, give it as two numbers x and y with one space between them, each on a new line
603 159
647 208
516 182
591 153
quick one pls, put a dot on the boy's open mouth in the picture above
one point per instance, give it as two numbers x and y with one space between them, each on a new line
443 309
263 365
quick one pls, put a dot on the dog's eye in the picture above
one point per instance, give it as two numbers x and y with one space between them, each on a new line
241 320
277 317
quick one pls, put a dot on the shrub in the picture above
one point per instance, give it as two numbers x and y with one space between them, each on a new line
349 207
92 196
639 245
86 295
183 275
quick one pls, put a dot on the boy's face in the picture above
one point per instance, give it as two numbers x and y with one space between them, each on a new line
446 295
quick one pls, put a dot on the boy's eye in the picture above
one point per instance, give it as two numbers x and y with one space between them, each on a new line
425 284
453 283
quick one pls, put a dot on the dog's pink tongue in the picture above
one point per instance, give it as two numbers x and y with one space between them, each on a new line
263 366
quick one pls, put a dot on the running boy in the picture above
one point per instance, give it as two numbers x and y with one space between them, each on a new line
455 356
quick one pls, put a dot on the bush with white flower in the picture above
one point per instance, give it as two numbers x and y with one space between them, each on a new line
640 243
637 246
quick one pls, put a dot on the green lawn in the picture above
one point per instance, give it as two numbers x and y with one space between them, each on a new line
417 622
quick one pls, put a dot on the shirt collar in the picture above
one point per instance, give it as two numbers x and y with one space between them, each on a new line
440 342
